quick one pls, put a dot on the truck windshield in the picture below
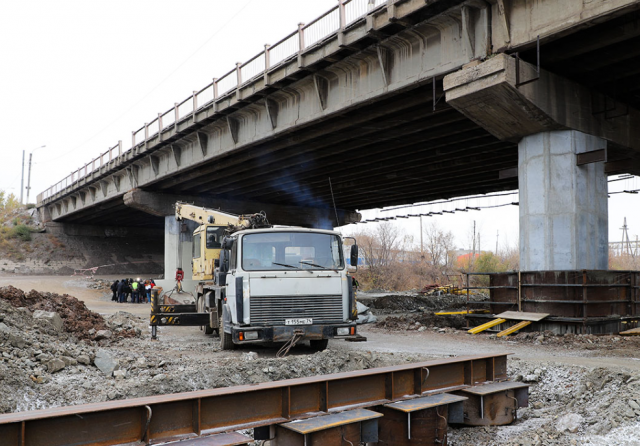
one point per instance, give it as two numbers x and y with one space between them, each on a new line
291 250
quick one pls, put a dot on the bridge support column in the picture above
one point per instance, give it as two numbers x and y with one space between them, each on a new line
178 244
563 206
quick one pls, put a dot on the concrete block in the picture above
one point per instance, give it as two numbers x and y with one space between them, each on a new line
51 317
105 362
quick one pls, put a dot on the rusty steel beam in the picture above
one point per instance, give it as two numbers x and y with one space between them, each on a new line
162 418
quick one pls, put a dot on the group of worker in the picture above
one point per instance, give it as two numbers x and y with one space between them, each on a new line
139 291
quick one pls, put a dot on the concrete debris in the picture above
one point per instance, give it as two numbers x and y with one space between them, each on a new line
55 365
250 356
570 422
50 317
103 334
105 362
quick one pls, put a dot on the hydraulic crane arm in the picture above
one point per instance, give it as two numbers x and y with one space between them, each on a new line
219 218
205 216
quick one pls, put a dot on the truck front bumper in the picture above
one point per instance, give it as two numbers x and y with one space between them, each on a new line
283 333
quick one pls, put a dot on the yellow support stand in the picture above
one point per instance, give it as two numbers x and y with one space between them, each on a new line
518 326
446 313
486 326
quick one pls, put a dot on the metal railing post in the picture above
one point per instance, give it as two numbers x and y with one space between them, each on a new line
146 132
341 12
238 79
267 62
238 74
159 124
195 105
300 44
133 139
119 147
301 37
177 116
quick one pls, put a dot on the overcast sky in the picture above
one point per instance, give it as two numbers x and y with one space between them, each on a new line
77 76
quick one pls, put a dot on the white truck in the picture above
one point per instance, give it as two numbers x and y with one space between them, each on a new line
263 283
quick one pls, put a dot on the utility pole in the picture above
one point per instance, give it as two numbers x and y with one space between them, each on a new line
29 178
421 244
626 243
22 179
473 251
29 174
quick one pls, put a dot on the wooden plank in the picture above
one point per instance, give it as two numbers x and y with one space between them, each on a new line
523 316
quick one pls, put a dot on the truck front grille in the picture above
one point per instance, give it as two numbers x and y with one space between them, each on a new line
273 310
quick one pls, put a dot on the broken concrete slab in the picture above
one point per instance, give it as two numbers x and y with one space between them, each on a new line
53 318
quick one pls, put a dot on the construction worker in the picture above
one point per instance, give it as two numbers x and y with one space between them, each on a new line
121 291
114 289
135 294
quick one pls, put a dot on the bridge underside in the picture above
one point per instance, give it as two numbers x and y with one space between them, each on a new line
393 151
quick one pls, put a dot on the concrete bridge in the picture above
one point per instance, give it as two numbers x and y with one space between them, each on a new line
378 103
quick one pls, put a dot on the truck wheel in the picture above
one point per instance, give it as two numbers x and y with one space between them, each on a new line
319 344
226 342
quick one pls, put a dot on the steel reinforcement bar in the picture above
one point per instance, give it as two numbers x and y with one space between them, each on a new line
158 419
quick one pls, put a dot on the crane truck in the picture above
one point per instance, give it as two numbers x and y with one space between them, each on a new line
259 283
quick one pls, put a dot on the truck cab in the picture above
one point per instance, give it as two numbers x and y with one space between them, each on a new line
285 282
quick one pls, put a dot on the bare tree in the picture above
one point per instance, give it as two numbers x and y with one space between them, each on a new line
438 245
380 247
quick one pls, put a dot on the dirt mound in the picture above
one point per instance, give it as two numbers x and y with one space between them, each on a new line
77 318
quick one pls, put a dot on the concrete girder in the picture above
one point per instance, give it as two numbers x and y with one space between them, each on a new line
161 205
516 24
488 95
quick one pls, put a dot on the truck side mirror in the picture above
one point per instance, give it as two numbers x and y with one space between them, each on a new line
354 255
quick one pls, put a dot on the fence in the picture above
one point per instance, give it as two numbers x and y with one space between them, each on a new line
327 25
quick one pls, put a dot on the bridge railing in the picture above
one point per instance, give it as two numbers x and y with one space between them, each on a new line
345 13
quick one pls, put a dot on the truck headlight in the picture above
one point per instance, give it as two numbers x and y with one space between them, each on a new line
342 331
251 335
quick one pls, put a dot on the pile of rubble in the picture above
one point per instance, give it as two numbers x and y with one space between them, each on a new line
410 302
73 356
568 406
421 322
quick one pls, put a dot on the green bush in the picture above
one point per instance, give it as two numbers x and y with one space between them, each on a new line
23 232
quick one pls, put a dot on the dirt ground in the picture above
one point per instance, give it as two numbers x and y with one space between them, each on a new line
585 390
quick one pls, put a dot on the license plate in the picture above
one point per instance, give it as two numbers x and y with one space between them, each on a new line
300 321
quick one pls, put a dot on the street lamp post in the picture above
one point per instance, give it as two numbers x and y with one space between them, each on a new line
29 174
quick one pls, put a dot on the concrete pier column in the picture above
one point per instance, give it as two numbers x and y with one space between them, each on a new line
563 206
173 238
